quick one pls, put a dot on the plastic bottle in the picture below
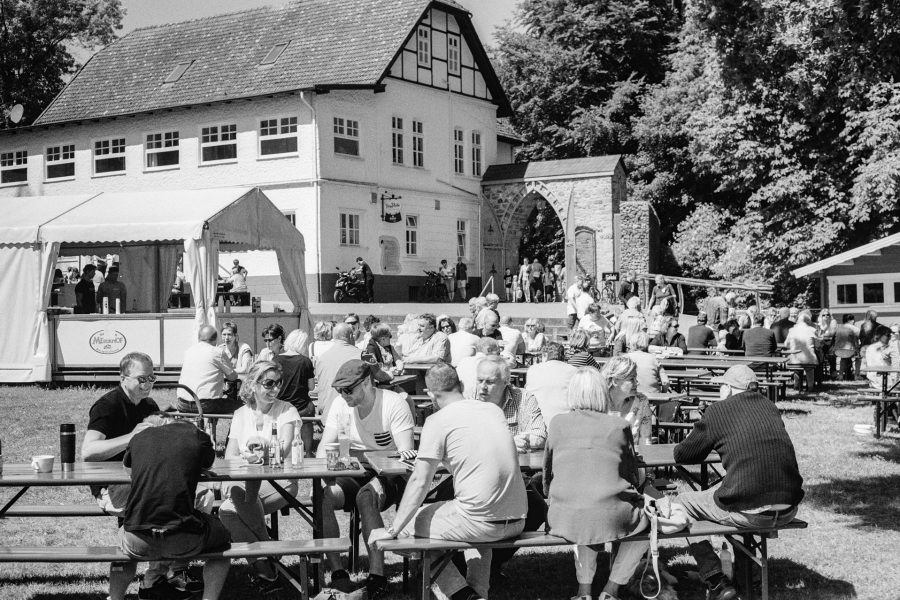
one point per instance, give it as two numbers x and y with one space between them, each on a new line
297 447
727 561
274 447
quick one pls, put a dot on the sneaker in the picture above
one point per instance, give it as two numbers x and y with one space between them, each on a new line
184 580
376 586
264 585
163 590
722 591
340 580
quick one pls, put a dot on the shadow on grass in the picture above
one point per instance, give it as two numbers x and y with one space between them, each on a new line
873 500
793 581
886 451
60 579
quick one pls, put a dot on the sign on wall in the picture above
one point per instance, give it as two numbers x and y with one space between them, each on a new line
390 254
610 276
392 210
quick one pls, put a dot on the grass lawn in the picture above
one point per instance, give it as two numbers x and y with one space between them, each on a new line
852 505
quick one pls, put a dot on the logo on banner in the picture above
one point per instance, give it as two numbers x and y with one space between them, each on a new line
107 341
392 211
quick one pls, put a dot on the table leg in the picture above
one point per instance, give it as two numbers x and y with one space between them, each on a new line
12 501
704 476
877 419
317 574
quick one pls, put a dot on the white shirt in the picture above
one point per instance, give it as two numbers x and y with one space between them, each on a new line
462 344
244 424
389 417
467 371
204 370
512 340
548 382
471 437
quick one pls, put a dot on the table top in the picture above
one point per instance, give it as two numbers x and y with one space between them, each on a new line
688 374
401 379
772 360
417 366
884 370
662 397
105 473
656 455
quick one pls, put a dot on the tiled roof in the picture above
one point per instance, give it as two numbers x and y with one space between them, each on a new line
333 43
552 168
506 131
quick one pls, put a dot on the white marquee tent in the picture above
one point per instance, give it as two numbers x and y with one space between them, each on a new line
147 230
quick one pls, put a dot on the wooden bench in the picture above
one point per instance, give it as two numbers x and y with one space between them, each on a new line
750 542
304 549
55 510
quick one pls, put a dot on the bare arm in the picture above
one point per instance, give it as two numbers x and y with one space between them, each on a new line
416 490
95 447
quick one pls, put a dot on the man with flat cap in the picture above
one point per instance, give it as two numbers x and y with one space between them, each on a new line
762 485
374 419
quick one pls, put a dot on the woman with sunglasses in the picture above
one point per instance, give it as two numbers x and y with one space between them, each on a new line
273 338
248 502
533 335
670 338
446 325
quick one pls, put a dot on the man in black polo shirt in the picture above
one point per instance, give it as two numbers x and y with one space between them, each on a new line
114 420
762 485
159 518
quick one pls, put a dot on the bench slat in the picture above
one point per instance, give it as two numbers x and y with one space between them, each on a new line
114 554
534 539
56 510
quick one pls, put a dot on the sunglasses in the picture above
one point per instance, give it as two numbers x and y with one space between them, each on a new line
270 383
144 379
269 340
346 391
352 322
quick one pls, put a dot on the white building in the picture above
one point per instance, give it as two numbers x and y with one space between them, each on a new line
327 105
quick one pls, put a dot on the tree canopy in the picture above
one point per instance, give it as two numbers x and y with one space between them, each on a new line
768 138
37 41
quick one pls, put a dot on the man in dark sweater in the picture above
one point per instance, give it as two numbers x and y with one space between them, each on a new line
758 341
160 518
700 335
762 485
782 325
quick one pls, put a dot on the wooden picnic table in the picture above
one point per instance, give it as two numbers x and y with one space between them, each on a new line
418 371
888 397
24 477
386 462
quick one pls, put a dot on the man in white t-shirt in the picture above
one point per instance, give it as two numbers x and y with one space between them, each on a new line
470 437
204 370
462 343
374 419
513 342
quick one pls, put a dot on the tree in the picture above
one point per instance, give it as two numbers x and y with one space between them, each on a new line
37 38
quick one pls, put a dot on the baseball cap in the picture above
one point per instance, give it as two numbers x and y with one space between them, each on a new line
738 376
351 374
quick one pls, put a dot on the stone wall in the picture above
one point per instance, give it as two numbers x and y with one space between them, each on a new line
639 237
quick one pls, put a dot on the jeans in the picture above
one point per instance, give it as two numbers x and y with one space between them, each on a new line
445 521
246 505
700 506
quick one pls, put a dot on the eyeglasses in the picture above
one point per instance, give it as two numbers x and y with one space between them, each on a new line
446 326
270 383
346 391
270 340
143 379
351 322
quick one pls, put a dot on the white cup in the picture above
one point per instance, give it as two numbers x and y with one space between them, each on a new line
43 463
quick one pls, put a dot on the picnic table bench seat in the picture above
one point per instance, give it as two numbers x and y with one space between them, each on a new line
305 549
434 554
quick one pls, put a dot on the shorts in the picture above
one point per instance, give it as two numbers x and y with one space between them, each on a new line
461 284
393 486
145 545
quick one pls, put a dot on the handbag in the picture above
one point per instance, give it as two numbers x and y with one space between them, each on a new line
662 519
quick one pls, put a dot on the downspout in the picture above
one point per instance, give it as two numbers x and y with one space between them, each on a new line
316 182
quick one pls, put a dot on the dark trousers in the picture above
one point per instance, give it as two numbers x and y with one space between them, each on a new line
847 369
370 290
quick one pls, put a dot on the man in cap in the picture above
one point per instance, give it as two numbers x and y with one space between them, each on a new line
373 419
759 489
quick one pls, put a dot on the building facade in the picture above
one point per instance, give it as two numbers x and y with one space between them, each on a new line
338 110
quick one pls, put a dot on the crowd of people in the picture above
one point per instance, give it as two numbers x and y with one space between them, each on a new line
587 420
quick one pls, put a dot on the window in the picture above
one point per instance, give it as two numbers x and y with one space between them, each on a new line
218 142
397 140
424 46
846 293
291 217
61 161
897 291
178 71
412 235
461 238
349 229
418 144
453 54
161 150
274 54
109 156
476 154
873 293
346 136
278 136
14 167
459 152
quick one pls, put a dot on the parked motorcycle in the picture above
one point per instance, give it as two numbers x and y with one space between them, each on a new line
349 285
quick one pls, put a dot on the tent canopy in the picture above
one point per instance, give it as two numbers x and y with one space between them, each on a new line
147 230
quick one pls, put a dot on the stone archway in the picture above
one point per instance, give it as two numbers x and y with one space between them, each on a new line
589 197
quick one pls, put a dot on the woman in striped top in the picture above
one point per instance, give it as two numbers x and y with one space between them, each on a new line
578 350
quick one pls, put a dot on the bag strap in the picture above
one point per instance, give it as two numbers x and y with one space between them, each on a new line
652 552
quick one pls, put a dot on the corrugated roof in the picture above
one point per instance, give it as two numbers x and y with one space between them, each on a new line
333 43
552 168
